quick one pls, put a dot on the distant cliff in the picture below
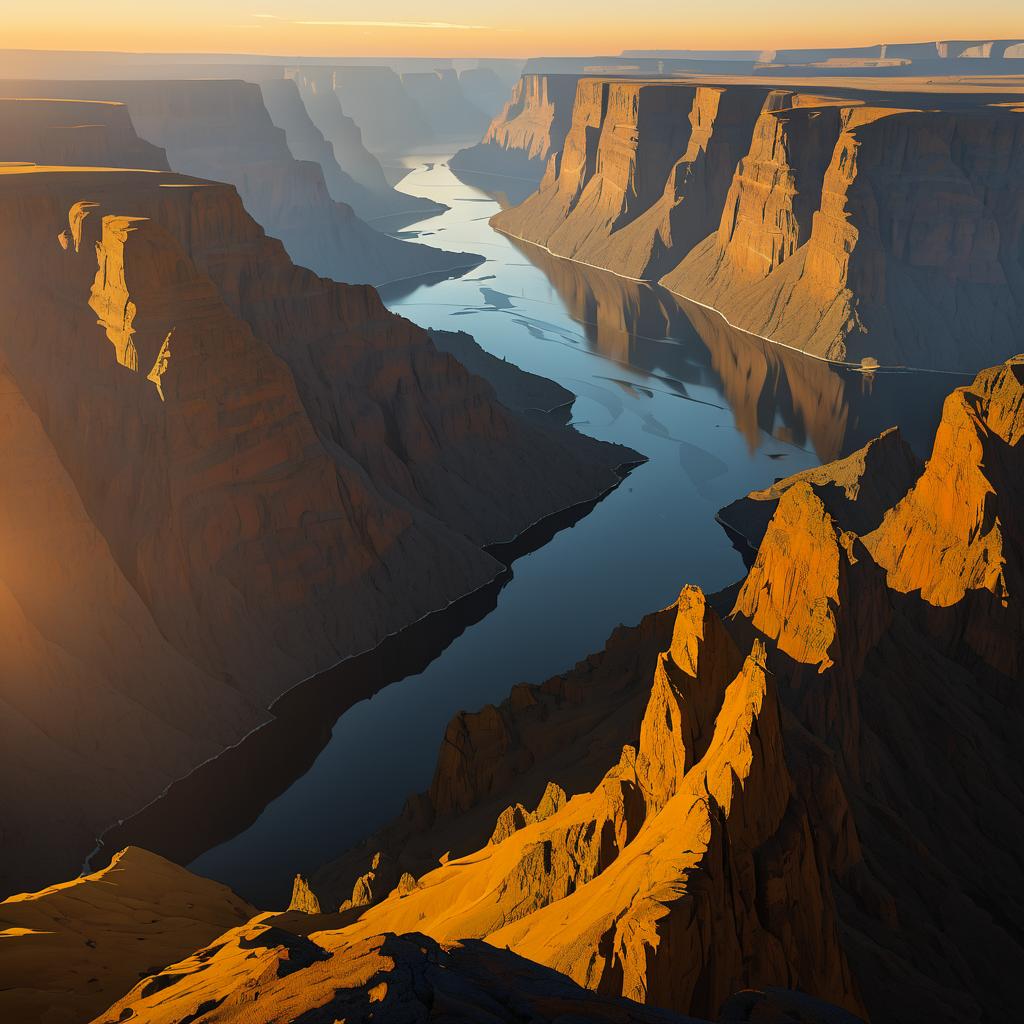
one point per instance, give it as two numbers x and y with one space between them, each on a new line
849 225
221 130
529 129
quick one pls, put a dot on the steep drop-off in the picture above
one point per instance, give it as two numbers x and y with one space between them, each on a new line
372 197
852 225
529 129
258 471
221 130
389 116
76 133
835 810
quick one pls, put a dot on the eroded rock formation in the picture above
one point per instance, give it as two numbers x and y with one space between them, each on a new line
817 813
372 197
529 129
854 225
257 472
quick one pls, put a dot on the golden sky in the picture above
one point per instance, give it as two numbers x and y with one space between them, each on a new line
517 28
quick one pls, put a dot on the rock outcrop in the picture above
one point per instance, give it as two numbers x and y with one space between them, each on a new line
258 472
858 226
384 978
72 949
833 812
856 491
527 132
222 131
75 133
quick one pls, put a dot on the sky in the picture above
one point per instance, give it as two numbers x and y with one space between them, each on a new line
520 28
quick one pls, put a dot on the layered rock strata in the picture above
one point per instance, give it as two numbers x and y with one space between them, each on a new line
859 227
252 472
75 133
222 131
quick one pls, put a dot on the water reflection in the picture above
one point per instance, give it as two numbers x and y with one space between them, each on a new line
716 412
770 390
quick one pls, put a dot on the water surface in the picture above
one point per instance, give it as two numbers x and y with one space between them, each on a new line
716 412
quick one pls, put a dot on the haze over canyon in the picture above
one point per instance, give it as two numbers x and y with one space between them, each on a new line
508 537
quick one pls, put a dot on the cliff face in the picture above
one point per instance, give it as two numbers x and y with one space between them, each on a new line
449 112
837 224
262 470
221 130
75 133
370 196
530 128
390 118
816 813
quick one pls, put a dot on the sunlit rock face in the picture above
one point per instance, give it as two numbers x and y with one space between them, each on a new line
527 132
855 226
790 791
72 949
225 474
222 130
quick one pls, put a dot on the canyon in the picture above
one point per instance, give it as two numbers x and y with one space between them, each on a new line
262 470
776 767
299 572
776 207
221 130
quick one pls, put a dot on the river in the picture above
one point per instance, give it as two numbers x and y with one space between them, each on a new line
715 412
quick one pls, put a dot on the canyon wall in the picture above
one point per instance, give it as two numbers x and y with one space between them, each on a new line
251 471
221 130
373 197
815 786
851 224
390 118
530 128
75 133
449 112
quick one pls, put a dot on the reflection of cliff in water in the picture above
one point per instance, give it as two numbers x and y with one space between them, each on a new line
788 395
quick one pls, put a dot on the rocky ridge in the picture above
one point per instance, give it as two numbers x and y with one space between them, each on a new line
808 811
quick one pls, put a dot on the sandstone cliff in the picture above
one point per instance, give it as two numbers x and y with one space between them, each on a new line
851 224
259 472
221 130
76 133
823 813
529 129
389 116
